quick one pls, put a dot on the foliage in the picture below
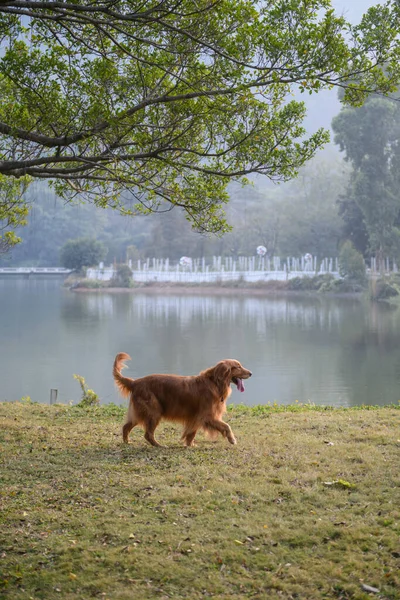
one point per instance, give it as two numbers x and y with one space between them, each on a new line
370 137
168 102
13 210
291 219
132 253
83 252
326 283
85 516
343 286
309 221
353 225
89 397
123 277
51 223
91 284
26 400
351 264
314 283
302 283
384 288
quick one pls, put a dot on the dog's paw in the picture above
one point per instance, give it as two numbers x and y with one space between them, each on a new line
232 440
189 444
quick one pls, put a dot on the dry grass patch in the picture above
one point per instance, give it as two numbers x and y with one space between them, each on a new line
305 506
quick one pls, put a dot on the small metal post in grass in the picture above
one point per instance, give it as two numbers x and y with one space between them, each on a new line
53 396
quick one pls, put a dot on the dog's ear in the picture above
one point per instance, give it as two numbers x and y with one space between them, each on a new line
222 375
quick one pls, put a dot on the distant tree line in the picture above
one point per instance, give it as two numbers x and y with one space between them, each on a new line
369 136
290 219
331 201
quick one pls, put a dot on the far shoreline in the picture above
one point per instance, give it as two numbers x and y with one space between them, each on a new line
215 290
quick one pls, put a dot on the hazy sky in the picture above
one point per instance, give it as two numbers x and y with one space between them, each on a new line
352 9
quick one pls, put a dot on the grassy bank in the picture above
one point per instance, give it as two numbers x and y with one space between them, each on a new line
326 284
307 505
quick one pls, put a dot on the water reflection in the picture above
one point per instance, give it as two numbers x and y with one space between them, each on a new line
307 313
323 350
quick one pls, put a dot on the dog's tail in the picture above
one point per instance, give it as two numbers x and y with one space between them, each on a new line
124 384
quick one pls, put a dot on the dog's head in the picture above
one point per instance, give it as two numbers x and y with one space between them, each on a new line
230 371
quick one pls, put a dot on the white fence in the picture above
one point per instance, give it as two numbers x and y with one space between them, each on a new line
101 274
214 277
215 270
219 270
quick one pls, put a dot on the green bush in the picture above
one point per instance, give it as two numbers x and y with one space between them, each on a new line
383 289
351 264
91 284
313 284
82 252
300 283
89 397
346 286
329 284
123 277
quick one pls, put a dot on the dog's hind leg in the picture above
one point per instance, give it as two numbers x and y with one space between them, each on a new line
126 429
222 427
130 423
150 427
188 437
148 413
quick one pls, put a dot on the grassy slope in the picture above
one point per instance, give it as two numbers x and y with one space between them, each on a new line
85 517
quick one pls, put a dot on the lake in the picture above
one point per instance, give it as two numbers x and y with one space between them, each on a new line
324 350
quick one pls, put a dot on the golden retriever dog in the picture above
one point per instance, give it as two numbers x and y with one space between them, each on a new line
198 401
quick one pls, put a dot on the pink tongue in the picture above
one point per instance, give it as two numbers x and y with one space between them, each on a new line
240 385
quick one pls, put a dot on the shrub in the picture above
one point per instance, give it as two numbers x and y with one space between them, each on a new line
351 264
91 284
309 283
299 283
328 284
123 277
346 286
383 289
89 397
82 252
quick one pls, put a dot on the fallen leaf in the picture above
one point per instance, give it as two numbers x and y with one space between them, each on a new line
369 588
339 483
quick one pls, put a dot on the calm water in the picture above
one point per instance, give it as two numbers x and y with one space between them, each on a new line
321 350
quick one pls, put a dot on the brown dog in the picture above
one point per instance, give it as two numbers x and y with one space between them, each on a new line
197 401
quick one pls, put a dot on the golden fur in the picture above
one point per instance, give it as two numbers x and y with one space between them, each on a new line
198 401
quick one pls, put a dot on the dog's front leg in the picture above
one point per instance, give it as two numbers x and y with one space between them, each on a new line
223 428
188 437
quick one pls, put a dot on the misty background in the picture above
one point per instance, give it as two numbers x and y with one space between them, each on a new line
289 218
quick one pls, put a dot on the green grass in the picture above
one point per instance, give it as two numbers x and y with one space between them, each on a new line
307 505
